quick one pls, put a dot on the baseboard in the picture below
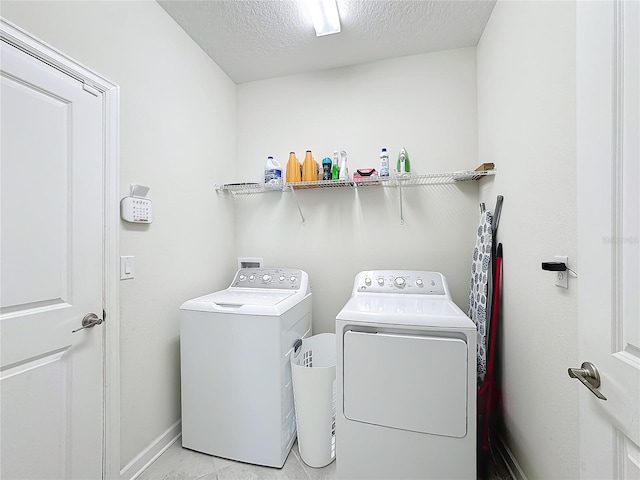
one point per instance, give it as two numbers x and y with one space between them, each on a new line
509 460
156 448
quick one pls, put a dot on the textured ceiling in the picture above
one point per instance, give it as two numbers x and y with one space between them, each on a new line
258 39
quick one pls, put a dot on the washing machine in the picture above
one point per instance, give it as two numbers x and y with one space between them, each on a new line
237 396
406 380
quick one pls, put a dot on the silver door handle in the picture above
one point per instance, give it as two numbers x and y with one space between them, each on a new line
89 320
589 376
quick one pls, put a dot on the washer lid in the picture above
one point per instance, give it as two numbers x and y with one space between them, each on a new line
248 301
420 310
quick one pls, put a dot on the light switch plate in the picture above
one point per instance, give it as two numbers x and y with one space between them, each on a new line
126 268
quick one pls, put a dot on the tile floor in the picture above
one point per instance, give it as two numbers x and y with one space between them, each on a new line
178 463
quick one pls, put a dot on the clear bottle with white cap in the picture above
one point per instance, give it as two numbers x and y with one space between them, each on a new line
384 164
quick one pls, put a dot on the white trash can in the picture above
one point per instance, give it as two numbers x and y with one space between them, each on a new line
313 370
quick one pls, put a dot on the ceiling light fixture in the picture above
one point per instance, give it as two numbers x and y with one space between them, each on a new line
324 14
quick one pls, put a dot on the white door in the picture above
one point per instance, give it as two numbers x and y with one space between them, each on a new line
608 132
51 233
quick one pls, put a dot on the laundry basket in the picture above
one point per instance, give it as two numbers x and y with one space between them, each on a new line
313 369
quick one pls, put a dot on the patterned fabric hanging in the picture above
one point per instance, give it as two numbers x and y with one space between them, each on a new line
479 290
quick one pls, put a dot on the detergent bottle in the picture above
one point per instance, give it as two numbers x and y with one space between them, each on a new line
294 169
272 172
326 168
335 166
403 165
309 168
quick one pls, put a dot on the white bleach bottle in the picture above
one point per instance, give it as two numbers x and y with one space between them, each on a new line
272 173
384 164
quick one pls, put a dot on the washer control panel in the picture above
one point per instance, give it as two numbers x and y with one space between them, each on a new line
400 281
281 278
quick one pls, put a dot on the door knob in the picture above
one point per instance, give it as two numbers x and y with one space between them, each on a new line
89 320
589 376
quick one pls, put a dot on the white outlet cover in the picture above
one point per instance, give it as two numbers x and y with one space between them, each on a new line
561 279
250 262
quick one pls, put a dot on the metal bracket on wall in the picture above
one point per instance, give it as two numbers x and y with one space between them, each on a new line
400 192
293 192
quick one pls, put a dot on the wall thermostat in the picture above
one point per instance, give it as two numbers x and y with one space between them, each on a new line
136 208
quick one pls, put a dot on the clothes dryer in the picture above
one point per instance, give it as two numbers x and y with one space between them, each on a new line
237 396
406 380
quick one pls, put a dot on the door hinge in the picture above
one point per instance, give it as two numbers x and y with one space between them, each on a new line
92 90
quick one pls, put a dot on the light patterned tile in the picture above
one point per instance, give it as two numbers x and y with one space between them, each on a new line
221 463
292 470
324 473
178 463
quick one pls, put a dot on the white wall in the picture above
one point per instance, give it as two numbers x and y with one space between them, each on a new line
426 103
526 118
177 136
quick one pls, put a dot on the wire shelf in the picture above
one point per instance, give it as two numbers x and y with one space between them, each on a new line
247 188
402 180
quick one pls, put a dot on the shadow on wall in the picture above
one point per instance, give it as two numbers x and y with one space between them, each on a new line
349 230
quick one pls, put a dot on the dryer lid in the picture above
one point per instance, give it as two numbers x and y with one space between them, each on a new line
420 310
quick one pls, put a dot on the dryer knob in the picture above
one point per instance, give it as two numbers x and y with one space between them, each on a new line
282 278
399 282
367 282
266 277
252 277
242 277
293 278
419 283
381 281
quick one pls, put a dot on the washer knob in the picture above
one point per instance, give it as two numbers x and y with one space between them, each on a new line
282 278
381 281
252 277
293 278
419 283
242 277
399 282
367 282
266 277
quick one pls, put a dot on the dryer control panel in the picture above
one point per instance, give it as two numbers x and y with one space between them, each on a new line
401 281
281 278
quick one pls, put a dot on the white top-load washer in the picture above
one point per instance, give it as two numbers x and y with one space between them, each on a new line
237 397
406 383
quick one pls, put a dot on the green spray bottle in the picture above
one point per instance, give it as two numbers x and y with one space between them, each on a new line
403 165
335 167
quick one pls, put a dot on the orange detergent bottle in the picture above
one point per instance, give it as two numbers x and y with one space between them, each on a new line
309 168
294 169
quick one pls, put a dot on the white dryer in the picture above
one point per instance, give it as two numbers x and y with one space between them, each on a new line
406 380
237 397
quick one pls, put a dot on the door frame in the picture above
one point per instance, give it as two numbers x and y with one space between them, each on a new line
110 92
